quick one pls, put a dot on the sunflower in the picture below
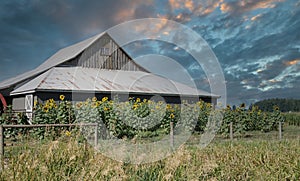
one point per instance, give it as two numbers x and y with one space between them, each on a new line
79 105
68 133
94 105
276 108
46 108
104 99
35 103
168 106
62 97
135 106
172 116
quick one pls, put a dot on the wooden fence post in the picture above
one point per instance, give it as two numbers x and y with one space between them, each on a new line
96 135
280 130
1 147
231 131
172 135
1 141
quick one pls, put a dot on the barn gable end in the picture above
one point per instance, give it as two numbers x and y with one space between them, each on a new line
104 53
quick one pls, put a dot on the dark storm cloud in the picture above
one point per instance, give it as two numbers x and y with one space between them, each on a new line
34 30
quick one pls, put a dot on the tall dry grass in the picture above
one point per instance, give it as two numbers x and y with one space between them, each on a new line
67 159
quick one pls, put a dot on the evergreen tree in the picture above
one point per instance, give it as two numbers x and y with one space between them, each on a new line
285 105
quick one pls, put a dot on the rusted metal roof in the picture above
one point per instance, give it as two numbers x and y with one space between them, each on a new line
101 80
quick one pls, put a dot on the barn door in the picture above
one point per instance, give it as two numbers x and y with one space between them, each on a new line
29 106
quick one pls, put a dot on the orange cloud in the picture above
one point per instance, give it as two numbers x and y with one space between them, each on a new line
175 4
182 4
207 7
225 7
189 4
254 18
183 17
166 33
197 8
153 30
247 5
292 62
128 12
124 14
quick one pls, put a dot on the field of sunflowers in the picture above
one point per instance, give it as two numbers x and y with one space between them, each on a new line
146 118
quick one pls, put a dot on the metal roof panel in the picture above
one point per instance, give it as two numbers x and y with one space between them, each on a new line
102 80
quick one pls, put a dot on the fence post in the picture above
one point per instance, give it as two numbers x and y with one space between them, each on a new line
231 131
96 135
1 141
172 135
1 147
280 130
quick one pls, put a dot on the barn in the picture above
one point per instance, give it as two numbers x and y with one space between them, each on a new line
97 66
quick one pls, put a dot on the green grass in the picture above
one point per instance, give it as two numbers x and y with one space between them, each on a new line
258 157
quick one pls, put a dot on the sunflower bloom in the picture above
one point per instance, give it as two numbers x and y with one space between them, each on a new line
79 104
104 99
94 105
168 106
172 116
135 106
68 133
61 97
94 99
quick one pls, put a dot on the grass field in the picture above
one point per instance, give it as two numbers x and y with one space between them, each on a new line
257 156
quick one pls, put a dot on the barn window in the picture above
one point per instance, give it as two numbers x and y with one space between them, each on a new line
104 51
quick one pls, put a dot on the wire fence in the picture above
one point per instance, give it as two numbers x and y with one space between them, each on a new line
95 125
3 127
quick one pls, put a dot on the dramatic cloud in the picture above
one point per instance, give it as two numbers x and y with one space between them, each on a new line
257 42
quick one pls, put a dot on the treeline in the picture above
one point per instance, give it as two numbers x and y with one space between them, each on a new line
285 105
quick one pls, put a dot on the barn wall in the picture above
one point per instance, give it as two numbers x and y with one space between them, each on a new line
18 103
71 63
78 96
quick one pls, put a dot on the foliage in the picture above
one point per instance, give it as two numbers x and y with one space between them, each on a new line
146 118
11 118
292 118
51 112
250 120
285 105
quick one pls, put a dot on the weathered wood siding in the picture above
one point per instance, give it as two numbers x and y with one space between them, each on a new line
105 54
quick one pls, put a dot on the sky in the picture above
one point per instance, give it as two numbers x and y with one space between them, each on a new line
257 42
